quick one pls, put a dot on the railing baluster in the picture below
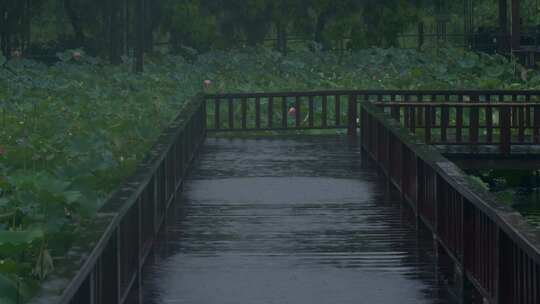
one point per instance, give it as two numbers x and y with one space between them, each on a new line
311 113
433 111
324 114
459 123
413 119
298 116
514 112
521 124
528 112
217 111
258 113
284 112
270 112
506 132
489 121
394 109
231 113
536 123
352 115
474 121
337 103
394 112
244 113
428 124
406 113
420 111
445 121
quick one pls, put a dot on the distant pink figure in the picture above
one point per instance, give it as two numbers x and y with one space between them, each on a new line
77 55
2 151
207 84
16 54
292 111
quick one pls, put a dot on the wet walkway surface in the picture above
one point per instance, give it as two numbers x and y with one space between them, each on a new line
289 220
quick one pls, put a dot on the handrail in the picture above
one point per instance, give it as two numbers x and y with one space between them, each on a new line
491 244
488 123
381 92
111 272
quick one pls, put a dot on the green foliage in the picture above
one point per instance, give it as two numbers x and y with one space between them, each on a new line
190 26
516 188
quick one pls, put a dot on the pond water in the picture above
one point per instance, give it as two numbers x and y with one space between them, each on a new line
519 189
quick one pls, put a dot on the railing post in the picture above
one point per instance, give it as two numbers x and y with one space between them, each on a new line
353 115
474 121
428 124
506 130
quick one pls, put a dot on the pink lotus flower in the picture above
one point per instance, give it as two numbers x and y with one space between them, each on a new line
292 111
77 55
16 54
207 83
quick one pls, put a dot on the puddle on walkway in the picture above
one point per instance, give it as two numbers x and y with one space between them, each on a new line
295 220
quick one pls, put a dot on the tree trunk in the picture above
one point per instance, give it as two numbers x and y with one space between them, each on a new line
3 29
503 26
139 48
115 35
281 38
125 36
149 10
320 26
516 25
6 30
75 22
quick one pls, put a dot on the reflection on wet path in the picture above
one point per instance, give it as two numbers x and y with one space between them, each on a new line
289 220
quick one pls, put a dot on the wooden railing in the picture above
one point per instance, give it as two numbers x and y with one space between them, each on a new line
491 245
281 111
111 272
479 123
460 117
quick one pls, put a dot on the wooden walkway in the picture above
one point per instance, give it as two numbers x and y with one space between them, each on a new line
290 220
